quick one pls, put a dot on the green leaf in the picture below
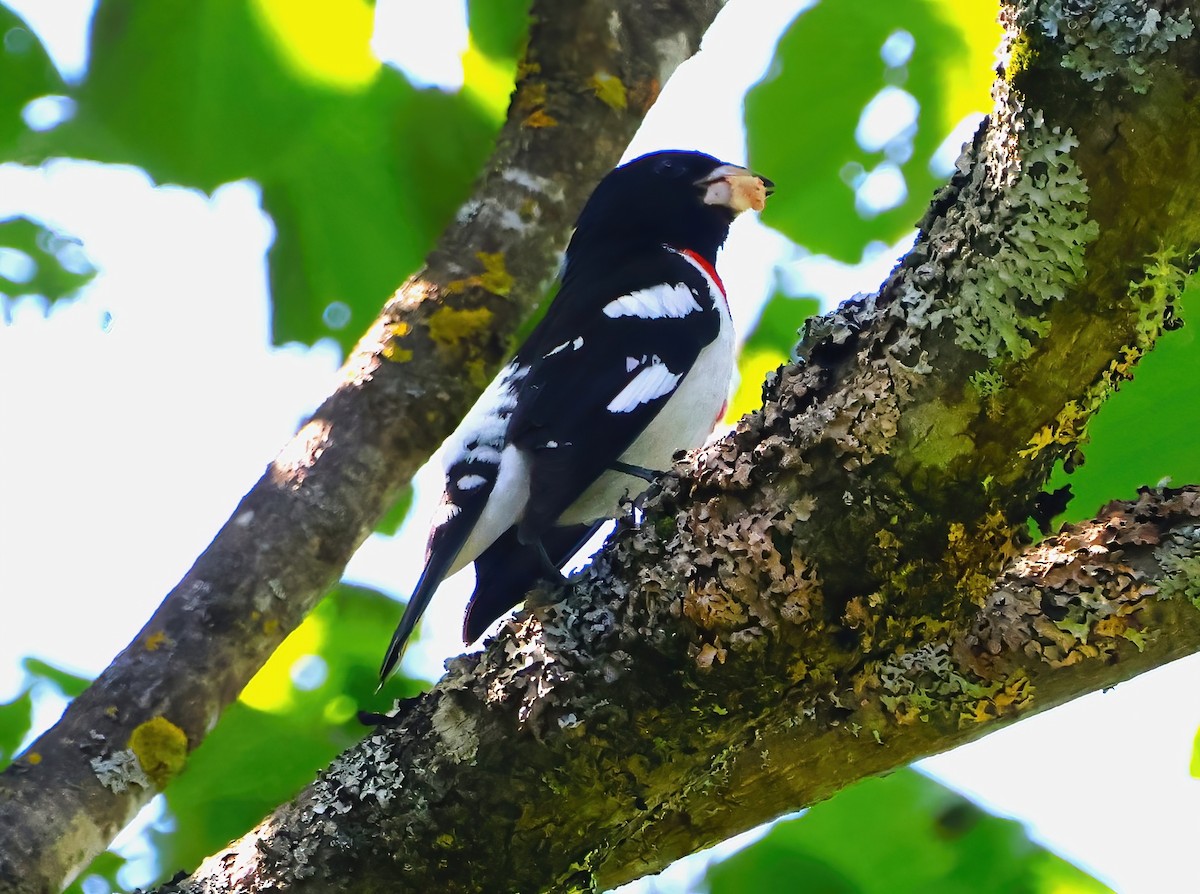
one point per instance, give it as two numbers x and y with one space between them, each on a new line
394 517
359 170
59 267
26 73
899 833
801 119
1163 399
498 28
273 740
16 720
71 685
105 866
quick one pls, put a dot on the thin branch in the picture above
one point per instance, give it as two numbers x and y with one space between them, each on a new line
292 534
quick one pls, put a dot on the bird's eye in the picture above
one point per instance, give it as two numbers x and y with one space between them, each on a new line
668 167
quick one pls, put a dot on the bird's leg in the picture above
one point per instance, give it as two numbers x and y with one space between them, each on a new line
636 471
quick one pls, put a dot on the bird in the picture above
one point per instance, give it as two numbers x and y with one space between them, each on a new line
631 363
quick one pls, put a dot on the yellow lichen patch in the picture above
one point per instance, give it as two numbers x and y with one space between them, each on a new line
1014 695
154 641
270 626
477 373
531 98
33 758
708 654
1021 55
539 118
495 277
1066 429
609 89
448 327
391 349
886 539
161 749
531 95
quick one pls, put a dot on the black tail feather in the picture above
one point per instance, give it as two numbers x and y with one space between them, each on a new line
508 569
431 579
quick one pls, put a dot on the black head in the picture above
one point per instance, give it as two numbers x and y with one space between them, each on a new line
683 199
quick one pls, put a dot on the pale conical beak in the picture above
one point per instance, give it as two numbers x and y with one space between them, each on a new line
736 188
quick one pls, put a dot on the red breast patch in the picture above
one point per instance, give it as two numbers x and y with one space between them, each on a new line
707 267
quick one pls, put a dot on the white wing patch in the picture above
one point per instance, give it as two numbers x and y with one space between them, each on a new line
481 436
655 303
470 482
573 345
652 381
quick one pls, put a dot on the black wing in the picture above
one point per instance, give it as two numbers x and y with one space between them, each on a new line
602 364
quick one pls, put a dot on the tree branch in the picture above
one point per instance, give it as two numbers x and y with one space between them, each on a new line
292 534
557 760
813 599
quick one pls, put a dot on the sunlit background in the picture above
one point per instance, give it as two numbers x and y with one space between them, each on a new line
137 413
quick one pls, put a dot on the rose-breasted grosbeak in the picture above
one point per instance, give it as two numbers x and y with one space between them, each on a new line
631 363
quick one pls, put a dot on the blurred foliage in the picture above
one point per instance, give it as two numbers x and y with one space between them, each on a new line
394 518
16 716
359 170
104 870
26 73
58 267
1162 398
802 118
898 834
16 719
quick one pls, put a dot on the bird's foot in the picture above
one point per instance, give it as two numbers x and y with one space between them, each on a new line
398 715
636 471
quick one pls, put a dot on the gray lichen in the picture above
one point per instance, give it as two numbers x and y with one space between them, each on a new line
119 771
1028 231
1109 41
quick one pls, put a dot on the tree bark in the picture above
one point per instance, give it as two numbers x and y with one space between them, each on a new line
815 598
592 743
404 389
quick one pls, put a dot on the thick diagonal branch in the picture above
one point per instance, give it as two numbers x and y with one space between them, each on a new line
814 598
408 382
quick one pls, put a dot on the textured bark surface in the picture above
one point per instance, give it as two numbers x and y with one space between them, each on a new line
843 584
582 750
404 389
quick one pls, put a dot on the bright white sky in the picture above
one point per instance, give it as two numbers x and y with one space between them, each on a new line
141 411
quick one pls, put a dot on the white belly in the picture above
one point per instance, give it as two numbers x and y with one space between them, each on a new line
684 423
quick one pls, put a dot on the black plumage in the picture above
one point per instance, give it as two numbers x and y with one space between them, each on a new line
630 364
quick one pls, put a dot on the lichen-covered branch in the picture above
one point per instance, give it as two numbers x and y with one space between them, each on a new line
408 382
583 750
814 598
